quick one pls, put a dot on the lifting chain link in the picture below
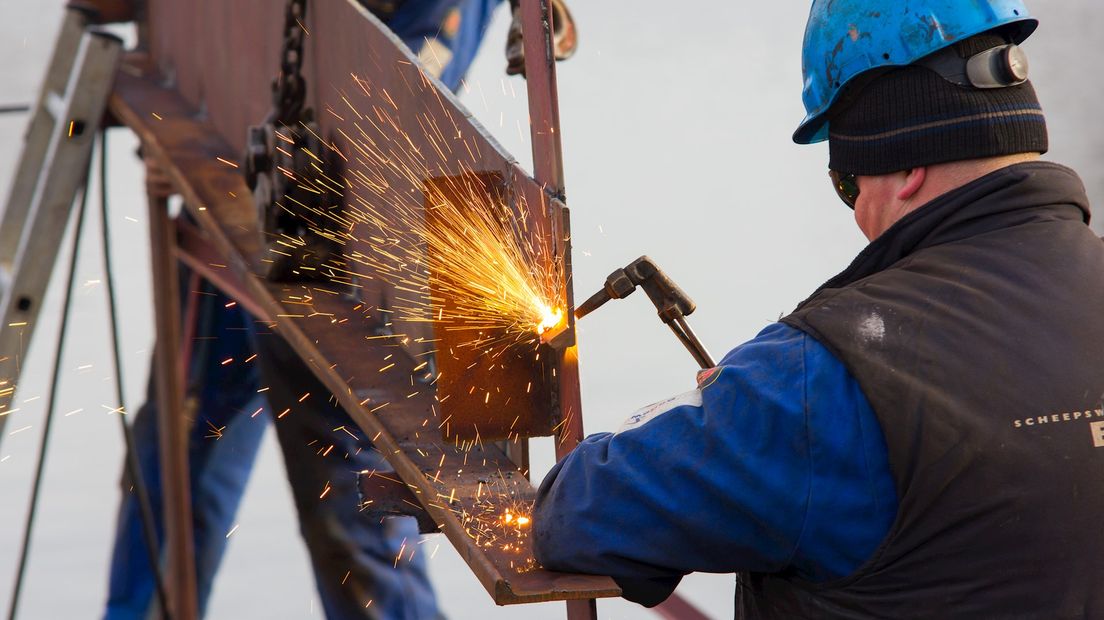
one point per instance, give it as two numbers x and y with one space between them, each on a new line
289 92
286 165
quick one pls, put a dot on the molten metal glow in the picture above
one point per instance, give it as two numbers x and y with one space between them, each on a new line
515 520
550 318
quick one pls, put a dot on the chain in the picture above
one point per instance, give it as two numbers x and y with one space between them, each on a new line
289 90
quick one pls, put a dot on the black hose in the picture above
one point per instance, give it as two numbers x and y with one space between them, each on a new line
133 471
54 382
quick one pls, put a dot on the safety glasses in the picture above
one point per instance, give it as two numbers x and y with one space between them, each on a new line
847 187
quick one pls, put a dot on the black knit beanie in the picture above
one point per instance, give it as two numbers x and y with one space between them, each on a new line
910 116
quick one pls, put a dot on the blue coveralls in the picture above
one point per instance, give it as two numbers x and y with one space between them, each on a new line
776 462
353 556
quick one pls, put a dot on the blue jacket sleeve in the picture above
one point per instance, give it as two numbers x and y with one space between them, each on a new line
775 463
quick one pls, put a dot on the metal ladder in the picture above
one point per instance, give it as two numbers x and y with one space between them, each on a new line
51 172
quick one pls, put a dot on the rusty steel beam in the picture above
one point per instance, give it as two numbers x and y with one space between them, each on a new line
544 120
229 83
489 396
582 610
544 102
173 425
402 109
465 487
544 115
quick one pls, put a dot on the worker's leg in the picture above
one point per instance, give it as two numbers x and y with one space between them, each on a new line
356 559
465 37
222 445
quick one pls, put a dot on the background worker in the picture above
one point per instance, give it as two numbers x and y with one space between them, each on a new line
924 435
353 556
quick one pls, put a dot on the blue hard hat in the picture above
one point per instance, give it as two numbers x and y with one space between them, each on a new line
846 38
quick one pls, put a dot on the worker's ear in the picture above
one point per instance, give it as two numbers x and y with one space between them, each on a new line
914 180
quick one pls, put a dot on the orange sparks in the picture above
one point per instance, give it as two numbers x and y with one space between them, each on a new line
457 248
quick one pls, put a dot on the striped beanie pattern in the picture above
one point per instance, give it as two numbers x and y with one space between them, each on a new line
910 116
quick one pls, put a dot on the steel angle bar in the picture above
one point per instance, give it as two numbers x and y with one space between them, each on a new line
544 113
173 424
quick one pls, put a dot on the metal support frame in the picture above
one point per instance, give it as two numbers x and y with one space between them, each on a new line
544 114
172 423
216 197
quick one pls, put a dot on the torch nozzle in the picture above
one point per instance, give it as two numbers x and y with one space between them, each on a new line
619 285
670 301
590 305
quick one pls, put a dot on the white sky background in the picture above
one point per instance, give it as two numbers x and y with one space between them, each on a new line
676 123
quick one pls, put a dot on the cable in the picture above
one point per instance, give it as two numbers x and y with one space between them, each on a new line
39 468
133 471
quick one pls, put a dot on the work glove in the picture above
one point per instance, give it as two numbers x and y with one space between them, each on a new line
564 36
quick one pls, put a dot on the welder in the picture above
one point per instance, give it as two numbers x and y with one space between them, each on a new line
864 457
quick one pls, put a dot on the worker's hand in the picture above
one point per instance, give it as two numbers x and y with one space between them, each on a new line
564 38
158 183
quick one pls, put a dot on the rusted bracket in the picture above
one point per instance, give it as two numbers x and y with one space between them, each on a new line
383 495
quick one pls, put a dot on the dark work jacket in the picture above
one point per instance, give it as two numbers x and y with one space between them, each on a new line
975 327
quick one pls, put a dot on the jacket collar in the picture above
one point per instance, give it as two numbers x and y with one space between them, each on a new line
1033 191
